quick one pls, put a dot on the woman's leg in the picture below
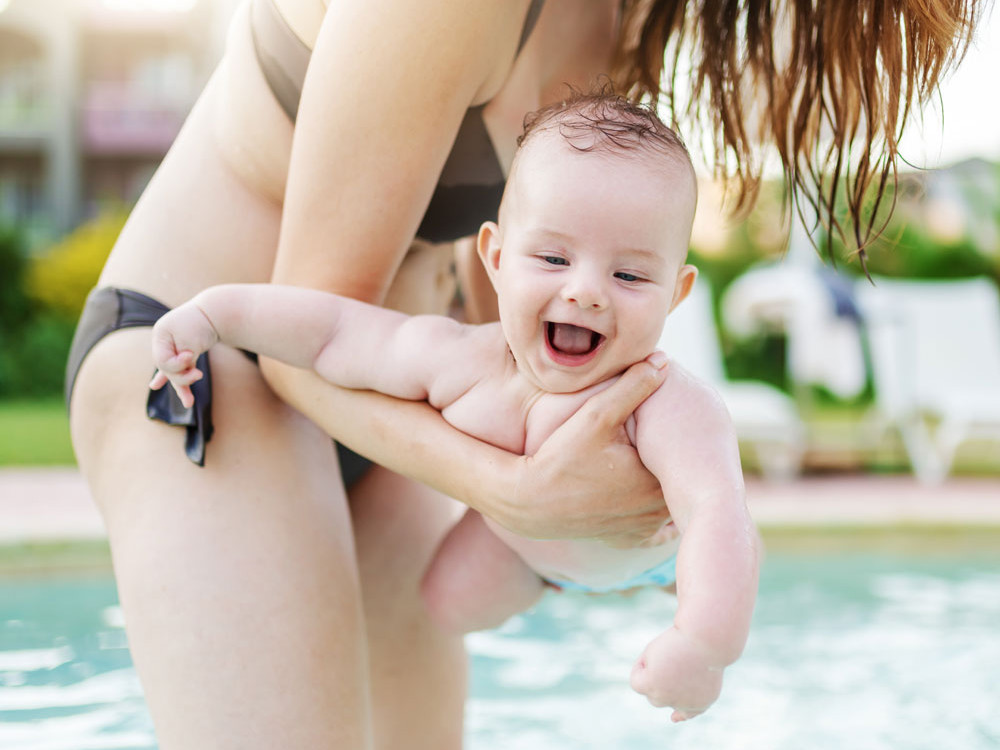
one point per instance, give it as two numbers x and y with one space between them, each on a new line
418 672
238 580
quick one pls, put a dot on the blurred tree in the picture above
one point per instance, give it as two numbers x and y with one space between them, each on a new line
32 345
41 297
61 277
14 302
945 224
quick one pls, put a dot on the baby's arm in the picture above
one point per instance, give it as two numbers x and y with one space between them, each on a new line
350 343
685 437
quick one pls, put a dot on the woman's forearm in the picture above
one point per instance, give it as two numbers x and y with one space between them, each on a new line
585 481
408 437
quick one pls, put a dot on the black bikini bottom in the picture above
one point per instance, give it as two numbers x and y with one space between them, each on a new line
109 309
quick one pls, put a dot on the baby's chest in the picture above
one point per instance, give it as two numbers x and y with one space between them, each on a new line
547 414
504 416
490 415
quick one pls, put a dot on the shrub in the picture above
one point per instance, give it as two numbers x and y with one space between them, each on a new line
61 277
15 306
41 297
33 361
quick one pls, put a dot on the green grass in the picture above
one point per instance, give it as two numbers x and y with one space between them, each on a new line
35 433
84 557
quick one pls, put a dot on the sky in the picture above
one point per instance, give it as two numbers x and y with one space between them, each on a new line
971 124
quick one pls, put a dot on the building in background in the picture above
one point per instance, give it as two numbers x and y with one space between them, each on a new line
92 93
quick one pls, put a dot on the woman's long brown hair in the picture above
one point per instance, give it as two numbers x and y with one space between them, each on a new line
828 83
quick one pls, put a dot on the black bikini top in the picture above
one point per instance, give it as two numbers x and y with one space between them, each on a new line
472 182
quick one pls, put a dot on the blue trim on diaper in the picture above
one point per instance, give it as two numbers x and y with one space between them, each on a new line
663 574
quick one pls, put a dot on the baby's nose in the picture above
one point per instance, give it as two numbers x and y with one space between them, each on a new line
585 294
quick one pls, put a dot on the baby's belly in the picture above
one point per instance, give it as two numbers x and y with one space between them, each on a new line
585 562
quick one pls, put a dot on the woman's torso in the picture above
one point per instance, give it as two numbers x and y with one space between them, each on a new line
188 233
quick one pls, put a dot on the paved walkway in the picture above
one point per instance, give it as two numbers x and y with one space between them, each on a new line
46 505
55 505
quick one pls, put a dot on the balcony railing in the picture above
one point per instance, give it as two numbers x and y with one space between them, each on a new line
24 105
117 121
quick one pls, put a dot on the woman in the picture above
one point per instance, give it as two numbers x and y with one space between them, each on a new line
264 608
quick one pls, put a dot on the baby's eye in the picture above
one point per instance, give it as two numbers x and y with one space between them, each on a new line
625 276
556 260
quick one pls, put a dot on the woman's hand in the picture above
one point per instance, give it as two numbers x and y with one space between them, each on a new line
586 480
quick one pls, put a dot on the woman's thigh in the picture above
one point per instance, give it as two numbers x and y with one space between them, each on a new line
238 580
418 672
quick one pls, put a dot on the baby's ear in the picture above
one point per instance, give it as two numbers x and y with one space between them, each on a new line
488 247
685 283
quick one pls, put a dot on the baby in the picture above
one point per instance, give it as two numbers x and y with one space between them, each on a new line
587 259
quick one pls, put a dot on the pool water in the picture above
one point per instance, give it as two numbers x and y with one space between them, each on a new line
867 650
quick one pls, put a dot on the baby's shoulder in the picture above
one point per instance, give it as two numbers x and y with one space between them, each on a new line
471 348
685 401
472 356
685 436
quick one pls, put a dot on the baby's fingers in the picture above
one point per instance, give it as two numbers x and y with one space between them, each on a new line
179 362
185 395
181 383
683 715
187 377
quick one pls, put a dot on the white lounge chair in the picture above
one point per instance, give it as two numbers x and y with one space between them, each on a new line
798 299
765 417
935 355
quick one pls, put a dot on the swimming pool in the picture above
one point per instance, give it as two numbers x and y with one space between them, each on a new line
884 647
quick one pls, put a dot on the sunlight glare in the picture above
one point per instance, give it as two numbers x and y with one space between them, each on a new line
159 6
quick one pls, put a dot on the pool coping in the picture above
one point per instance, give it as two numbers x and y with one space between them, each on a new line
53 505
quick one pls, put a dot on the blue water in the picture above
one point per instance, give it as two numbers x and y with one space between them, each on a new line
868 651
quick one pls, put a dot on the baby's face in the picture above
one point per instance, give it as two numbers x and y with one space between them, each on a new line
588 260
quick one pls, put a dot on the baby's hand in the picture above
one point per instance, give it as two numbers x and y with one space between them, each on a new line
179 338
674 671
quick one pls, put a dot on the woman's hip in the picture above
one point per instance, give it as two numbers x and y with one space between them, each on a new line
250 429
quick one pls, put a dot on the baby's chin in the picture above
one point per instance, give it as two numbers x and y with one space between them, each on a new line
560 381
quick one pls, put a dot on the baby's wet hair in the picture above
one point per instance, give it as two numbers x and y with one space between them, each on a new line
602 120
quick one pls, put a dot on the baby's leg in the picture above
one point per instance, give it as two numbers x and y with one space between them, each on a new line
475 581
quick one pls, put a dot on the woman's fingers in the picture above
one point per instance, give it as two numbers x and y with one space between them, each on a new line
589 476
609 409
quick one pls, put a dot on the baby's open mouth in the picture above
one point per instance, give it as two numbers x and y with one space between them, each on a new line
574 340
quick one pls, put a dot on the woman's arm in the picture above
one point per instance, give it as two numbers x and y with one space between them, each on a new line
387 88
562 491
